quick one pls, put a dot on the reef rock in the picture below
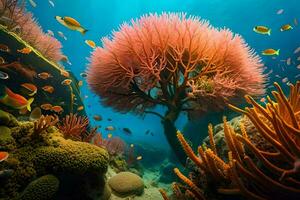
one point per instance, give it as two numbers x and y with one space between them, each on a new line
126 183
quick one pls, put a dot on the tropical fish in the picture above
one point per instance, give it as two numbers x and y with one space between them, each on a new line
139 158
80 108
284 80
297 50
131 145
51 3
109 119
66 82
35 114
80 83
97 117
4 48
83 75
298 59
298 66
147 132
110 128
270 52
279 12
46 106
2 61
298 75
288 61
32 3
286 27
48 88
65 73
44 75
91 43
25 50
109 135
3 155
57 109
127 131
31 88
262 30
3 75
66 60
62 35
263 100
49 32
296 21
13 100
71 23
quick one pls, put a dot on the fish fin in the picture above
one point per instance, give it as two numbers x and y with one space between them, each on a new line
277 52
269 32
29 104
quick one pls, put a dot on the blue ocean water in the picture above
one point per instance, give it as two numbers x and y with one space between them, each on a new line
101 17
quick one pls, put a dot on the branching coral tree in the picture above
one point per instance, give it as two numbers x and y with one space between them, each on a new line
176 61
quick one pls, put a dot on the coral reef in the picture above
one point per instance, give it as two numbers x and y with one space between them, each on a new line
114 146
78 166
268 169
175 61
14 16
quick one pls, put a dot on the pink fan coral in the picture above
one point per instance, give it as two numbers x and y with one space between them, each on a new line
177 61
114 146
21 22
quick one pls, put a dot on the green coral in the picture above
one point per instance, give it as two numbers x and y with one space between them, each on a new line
7 142
43 188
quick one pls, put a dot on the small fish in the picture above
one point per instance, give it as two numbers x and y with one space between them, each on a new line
49 32
297 50
66 60
62 35
44 75
31 88
13 100
80 83
147 132
91 43
297 76
25 50
46 106
139 158
65 73
3 75
3 155
131 145
109 135
97 117
298 66
270 52
83 75
279 12
110 128
152 134
127 131
80 108
57 109
263 100
2 61
286 27
284 80
288 61
86 96
32 3
109 119
277 76
71 23
4 48
48 88
296 21
66 82
262 30
35 114
51 3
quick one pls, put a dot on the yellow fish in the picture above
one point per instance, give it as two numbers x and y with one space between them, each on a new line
80 108
91 43
286 27
25 50
139 158
80 83
71 23
262 30
270 52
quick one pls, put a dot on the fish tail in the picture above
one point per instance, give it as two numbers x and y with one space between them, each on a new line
269 32
277 52
83 31
29 104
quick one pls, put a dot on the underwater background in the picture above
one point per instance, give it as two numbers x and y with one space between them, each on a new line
41 152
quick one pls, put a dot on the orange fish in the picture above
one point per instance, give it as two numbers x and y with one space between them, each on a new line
80 83
30 87
65 73
97 117
80 108
48 88
91 43
57 109
263 100
25 50
44 75
66 82
13 100
3 156
46 106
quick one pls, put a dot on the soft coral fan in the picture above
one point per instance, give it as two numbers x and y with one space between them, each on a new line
14 16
